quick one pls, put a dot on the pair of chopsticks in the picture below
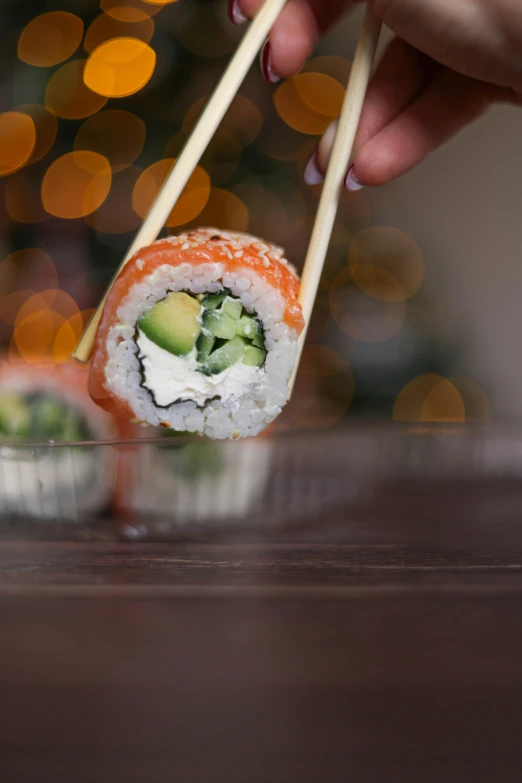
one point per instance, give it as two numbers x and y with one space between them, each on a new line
203 132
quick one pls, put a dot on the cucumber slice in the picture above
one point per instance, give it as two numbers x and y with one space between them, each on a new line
225 356
233 308
219 324
48 418
213 301
173 323
254 357
250 328
204 345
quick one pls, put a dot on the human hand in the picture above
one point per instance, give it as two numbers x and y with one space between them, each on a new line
450 61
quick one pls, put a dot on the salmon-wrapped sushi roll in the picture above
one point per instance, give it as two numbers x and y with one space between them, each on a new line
199 333
49 403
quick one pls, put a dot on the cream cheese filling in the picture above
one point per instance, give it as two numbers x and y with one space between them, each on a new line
171 378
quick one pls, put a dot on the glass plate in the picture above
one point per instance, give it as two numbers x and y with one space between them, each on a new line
301 485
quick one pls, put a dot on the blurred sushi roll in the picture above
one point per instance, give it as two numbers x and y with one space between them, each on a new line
44 409
199 333
188 481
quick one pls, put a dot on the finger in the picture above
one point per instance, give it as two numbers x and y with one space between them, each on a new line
398 79
445 107
295 33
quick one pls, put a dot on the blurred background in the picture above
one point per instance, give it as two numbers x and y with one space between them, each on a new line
417 317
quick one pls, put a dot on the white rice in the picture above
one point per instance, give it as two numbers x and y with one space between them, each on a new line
237 416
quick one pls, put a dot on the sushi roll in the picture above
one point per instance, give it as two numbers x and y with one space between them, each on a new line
199 334
49 404
183 485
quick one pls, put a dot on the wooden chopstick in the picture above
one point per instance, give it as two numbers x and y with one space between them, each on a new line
194 148
337 167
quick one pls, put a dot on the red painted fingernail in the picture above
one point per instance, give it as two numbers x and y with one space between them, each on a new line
351 183
235 14
312 174
266 65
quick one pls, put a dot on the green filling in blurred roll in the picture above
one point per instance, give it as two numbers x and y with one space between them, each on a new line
40 416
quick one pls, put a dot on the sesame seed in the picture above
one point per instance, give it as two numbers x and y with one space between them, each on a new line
238 254
266 263
229 254
185 246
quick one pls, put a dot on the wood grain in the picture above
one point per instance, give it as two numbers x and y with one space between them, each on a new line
384 646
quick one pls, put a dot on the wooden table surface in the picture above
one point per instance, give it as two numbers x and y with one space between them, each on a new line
390 653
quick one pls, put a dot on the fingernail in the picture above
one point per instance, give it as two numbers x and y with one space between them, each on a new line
351 183
235 14
266 65
312 174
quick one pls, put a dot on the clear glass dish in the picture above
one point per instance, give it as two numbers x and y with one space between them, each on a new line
299 485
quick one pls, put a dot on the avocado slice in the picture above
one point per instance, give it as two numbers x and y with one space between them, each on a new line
173 323
14 416
254 357
225 356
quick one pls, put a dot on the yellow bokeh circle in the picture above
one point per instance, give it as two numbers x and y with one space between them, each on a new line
120 67
189 205
76 184
50 38
386 263
17 141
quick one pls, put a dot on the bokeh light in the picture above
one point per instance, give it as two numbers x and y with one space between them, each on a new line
11 304
39 320
105 27
243 119
386 263
224 210
68 334
129 10
76 184
46 127
323 391
17 141
309 101
362 317
116 215
31 268
120 67
23 199
69 97
190 203
429 398
117 135
51 298
476 403
50 39
34 334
